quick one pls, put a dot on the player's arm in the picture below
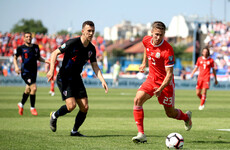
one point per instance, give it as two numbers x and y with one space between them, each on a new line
53 59
98 73
43 60
142 66
194 70
16 68
214 73
167 80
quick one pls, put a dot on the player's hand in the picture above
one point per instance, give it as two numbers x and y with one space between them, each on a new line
104 85
157 92
141 68
49 75
216 82
17 70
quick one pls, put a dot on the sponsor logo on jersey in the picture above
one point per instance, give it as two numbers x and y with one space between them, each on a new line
65 93
63 46
158 55
147 49
90 54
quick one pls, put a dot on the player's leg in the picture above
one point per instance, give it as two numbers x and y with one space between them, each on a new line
33 89
203 98
174 113
52 84
198 93
138 113
67 108
25 96
80 118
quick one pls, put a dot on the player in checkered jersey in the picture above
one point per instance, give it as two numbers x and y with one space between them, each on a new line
204 64
160 81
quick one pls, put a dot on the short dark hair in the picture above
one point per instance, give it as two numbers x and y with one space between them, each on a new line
159 25
27 33
90 23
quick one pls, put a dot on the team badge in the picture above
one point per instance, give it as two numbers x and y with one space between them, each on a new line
170 58
29 80
158 55
65 93
63 46
90 54
208 62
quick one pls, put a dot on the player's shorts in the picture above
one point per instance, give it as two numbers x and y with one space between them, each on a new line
202 84
167 97
29 78
70 88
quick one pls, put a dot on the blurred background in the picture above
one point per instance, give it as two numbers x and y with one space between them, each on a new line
120 27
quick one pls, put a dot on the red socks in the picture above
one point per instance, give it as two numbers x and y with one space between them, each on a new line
138 114
202 100
181 115
52 86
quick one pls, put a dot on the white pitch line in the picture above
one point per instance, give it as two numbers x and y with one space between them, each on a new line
223 129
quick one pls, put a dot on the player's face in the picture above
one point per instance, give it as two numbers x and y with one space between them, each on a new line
27 38
88 32
205 53
158 36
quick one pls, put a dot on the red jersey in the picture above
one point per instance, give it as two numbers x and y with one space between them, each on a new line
204 65
159 57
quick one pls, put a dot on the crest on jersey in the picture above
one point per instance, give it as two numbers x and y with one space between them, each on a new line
63 46
36 50
158 55
65 93
208 62
29 80
170 58
90 54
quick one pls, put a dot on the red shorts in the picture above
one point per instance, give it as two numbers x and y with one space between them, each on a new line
167 97
202 84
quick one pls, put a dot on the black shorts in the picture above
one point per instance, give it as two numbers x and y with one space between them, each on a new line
29 78
71 88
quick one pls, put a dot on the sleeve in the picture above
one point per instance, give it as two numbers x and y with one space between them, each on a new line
18 52
212 63
144 41
198 62
169 57
38 52
93 56
66 46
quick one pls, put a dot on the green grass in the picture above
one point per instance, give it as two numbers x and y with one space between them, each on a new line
110 123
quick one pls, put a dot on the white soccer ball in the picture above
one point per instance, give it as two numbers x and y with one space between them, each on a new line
174 141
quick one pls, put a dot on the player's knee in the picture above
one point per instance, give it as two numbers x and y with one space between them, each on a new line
71 106
33 89
137 101
85 108
170 114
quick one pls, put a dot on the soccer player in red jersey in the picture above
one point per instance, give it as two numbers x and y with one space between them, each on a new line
159 82
204 63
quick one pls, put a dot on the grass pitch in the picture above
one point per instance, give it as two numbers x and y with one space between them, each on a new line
110 124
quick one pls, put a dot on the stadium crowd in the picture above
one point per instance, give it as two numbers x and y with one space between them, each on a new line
217 39
47 43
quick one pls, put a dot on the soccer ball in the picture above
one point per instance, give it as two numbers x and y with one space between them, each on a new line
174 141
